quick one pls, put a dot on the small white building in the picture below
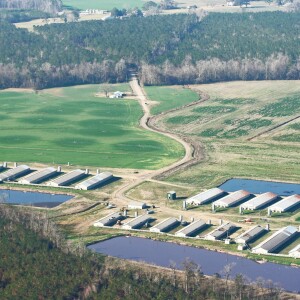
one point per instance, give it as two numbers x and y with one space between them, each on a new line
117 94
137 205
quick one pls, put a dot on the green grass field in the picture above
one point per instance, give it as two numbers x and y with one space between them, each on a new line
235 112
103 4
169 97
73 125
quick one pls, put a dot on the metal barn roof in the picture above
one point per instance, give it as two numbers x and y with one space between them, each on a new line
94 181
295 252
13 173
286 203
275 240
67 178
164 225
138 221
259 201
250 234
137 204
204 196
220 231
38 176
108 220
232 198
191 228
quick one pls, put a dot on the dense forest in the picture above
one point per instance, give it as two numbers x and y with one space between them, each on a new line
37 262
174 49
48 6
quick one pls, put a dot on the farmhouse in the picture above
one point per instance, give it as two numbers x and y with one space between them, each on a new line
38 176
117 94
276 240
14 173
94 181
204 197
165 225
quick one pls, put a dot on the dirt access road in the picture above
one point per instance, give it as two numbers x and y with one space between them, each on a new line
193 150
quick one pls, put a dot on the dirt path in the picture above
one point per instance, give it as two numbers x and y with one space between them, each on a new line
193 149
273 128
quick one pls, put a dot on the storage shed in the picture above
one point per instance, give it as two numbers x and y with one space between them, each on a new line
231 199
108 220
171 195
137 222
137 205
259 201
165 225
222 231
285 204
68 178
39 176
14 173
94 181
276 240
250 235
205 197
191 228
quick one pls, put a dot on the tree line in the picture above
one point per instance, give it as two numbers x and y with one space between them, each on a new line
49 6
165 49
37 262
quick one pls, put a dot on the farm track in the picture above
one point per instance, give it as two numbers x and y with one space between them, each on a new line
273 128
193 150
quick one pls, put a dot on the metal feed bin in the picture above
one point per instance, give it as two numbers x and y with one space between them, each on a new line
171 195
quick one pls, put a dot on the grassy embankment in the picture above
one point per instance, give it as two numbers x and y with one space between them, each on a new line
73 125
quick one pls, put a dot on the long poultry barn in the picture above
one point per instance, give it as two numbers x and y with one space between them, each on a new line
39 176
14 173
250 235
276 240
95 181
205 197
165 225
231 199
108 220
222 231
68 178
295 252
285 204
137 222
191 228
259 201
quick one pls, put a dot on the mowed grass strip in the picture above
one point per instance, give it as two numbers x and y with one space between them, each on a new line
73 125
169 97
103 4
